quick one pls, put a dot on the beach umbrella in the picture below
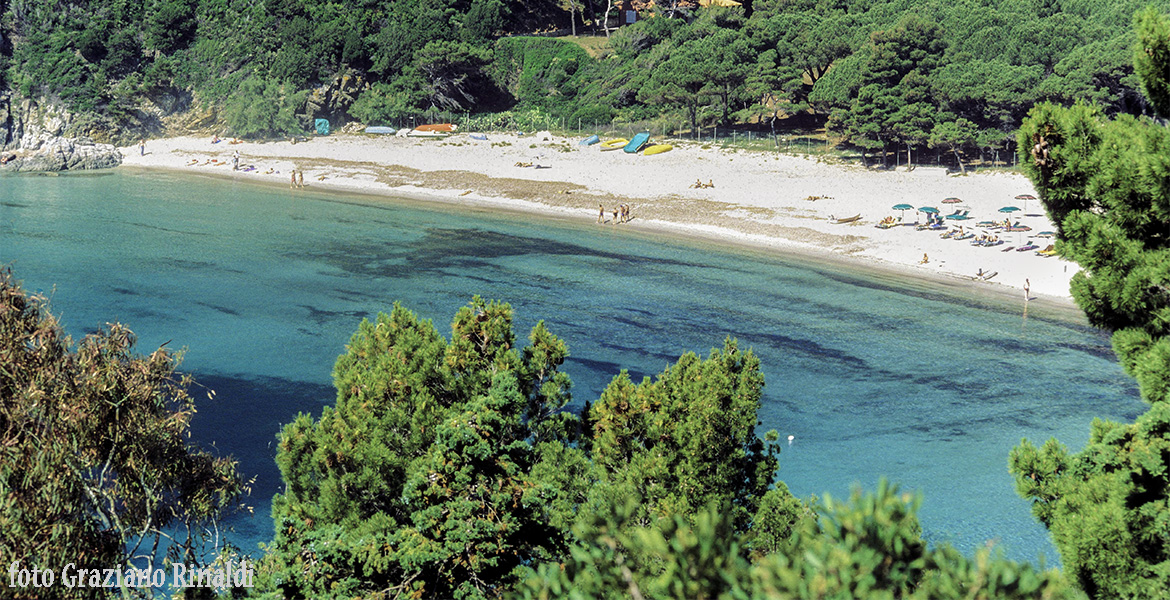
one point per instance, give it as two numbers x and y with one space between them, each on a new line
930 210
1008 210
951 201
1025 198
903 208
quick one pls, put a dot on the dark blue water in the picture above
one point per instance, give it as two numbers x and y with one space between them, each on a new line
873 375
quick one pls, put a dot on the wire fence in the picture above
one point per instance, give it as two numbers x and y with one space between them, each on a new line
813 143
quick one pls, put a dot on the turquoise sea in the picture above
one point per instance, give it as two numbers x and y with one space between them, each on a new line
927 383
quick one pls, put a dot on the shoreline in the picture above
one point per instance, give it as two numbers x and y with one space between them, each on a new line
757 204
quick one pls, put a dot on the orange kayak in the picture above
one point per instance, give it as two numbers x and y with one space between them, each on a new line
437 127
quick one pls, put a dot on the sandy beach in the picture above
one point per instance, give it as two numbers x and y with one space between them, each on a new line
760 198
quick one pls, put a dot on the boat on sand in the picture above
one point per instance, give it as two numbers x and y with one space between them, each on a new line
447 127
637 142
419 133
848 219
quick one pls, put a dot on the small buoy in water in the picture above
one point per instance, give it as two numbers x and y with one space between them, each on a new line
790 438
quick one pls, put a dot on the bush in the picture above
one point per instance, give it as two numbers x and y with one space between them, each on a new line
264 108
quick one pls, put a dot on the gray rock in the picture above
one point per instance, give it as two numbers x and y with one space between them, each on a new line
64 154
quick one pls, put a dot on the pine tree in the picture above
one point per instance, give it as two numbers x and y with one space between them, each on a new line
1106 184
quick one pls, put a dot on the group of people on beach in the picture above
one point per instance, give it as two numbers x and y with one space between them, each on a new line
621 214
296 179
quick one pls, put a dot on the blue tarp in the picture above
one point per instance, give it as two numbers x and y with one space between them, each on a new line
322 126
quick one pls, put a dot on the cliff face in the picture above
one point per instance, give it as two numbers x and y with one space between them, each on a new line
37 137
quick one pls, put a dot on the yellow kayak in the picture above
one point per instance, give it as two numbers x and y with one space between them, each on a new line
617 144
657 149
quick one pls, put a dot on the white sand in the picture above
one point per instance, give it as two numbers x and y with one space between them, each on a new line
758 197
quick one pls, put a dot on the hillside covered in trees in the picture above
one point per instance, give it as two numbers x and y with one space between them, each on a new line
449 467
884 74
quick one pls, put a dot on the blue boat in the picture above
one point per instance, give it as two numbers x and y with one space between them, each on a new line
589 141
636 144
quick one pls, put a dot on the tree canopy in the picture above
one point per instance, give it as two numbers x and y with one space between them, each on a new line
96 468
882 73
1106 184
454 468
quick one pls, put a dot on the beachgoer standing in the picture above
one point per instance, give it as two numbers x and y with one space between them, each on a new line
142 148
600 213
300 179
1027 290
616 210
292 182
236 160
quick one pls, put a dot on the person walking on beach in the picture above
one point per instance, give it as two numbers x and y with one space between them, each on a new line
600 213
300 179
292 182
1027 290
236 160
142 147
616 210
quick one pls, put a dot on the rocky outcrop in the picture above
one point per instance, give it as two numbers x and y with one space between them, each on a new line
63 154
38 139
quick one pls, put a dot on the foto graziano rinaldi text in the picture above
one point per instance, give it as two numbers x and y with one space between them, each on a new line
222 576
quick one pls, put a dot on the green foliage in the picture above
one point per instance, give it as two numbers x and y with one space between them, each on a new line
954 135
542 73
425 478
1152 57
385 103
670 558
170 24
95 461
1106 183
686 439
264 108
869 547
521 120
452 74
894 102
1108 506
779 517
885 72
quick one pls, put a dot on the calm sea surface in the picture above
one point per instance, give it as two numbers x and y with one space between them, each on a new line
873 375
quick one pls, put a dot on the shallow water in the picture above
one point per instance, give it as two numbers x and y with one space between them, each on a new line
872 374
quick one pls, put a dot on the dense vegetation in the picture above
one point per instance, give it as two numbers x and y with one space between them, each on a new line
450 469
96 468
886 74
1106 183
